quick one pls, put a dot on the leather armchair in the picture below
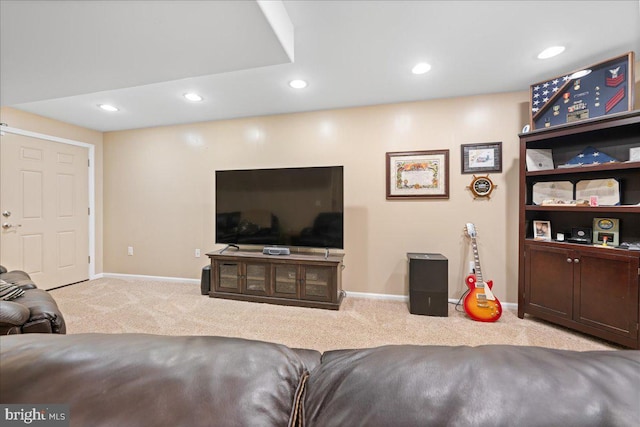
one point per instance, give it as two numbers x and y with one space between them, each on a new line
34 312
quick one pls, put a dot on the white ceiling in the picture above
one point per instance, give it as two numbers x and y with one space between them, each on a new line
60 59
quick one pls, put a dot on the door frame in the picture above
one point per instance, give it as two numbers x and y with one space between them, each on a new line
92 184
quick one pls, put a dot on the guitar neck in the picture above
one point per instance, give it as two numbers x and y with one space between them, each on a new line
476 259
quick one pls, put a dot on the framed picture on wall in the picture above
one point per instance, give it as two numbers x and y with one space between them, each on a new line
593 91
486 157
418 174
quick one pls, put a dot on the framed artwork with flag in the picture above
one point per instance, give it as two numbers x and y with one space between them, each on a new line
594 91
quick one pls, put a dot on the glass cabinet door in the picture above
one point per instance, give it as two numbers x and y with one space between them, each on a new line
286 281
257 279
317 282
229 276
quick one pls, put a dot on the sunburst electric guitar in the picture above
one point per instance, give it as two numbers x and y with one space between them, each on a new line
480 303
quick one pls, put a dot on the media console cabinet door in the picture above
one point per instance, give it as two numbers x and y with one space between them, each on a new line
256 278
228 276
286 280
549 280
607 293
318 283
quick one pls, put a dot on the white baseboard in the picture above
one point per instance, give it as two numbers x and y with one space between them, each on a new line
405 298
387 297
142 277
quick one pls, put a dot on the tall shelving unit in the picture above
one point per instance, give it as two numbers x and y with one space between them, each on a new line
589 288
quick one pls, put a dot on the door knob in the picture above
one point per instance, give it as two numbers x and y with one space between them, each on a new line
569 260
6 214
7 226
577 260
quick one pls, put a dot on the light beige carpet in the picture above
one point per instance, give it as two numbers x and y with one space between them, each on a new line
113 305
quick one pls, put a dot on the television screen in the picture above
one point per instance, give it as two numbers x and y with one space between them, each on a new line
289 207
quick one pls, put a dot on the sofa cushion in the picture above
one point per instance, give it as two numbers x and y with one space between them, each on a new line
9 291
479 386
18 277
45 315
13 314
152 380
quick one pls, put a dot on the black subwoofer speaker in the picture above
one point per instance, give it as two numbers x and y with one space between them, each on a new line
428 284
205 281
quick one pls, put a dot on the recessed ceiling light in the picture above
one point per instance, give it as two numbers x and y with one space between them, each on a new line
421 68
193 97
107 107
298 84
579 74
551 52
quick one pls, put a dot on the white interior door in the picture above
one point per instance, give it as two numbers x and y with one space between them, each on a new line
44 203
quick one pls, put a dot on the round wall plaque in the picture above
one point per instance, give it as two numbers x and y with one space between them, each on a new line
481 186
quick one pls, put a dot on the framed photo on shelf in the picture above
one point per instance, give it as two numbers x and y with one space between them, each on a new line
485 157
539 159
542 230
418 174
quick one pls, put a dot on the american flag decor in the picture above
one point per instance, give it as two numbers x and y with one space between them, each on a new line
541 93
594 91
591 156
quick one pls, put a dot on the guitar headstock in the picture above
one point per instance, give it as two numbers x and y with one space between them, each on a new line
470 230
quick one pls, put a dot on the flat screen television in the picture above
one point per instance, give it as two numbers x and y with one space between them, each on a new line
299 207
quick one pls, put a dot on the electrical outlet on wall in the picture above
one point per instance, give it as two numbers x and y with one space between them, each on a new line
197 253
130 251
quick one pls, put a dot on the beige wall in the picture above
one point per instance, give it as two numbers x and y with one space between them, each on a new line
159 188
34 123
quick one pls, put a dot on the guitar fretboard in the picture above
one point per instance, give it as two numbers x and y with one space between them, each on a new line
476 259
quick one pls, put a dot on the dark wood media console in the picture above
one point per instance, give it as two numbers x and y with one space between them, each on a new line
306 280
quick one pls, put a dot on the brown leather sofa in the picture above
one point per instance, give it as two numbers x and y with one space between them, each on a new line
151 380
34 312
